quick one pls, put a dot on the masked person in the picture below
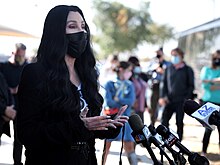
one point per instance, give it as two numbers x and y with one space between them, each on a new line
140 87
177 86
59 103
119 92
154 84
210 77
12 70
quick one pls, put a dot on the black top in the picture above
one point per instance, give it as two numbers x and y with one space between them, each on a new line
5 100
177 84
12 73
47 132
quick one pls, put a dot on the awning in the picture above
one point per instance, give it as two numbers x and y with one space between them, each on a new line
6 31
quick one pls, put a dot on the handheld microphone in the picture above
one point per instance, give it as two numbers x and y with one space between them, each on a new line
141 134
208 114
170 140
178 158
157 141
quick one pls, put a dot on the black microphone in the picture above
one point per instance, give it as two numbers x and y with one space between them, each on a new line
157 141
178 158
171 139
208 114
141 135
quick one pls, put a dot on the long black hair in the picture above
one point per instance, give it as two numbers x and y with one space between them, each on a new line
51 54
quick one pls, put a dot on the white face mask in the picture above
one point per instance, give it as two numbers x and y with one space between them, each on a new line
175 60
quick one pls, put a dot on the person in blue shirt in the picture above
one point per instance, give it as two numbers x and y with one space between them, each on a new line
210 77
121 92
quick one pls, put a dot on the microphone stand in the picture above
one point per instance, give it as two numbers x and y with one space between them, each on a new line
162 152
150 151
178 158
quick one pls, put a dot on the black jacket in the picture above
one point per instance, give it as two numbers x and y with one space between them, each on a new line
5 100
48 132
177 84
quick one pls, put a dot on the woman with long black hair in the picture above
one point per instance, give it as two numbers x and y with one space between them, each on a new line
60 106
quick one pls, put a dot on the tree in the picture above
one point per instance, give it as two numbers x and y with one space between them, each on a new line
120 28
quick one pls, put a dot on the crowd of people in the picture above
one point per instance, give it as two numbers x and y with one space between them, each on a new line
56 106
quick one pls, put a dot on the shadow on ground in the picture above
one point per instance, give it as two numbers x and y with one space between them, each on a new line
213 157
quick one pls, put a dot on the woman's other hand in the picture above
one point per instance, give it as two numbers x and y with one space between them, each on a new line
96 122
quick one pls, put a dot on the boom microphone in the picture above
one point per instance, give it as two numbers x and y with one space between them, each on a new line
208 114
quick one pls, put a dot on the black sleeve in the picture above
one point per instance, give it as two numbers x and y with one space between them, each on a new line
190 79
2 108
163 85
33 129
3 98
109 134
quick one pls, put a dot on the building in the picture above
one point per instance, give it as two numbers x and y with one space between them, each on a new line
198 43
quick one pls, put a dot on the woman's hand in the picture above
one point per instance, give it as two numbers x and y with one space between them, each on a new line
163 101
96 122
120 120
10 112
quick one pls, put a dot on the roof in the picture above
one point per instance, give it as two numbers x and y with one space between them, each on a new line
208 25
6 31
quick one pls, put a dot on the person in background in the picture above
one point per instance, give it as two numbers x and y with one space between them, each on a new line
12 71
59 104
121 92
154 84
7 111
210 77
107 71
177 86
140 87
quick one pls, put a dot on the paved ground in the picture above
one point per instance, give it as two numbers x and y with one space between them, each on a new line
193 133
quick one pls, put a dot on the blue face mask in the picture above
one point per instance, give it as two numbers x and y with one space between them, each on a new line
137 70
175 60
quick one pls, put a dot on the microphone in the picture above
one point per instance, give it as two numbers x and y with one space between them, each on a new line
141 134
208 114
170 140
178 158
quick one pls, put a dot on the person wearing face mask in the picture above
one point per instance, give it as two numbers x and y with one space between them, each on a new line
177 86
12 70
140 87
210 76
154 83
121 92
59 105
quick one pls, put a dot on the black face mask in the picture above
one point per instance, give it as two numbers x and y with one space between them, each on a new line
77 44
216 62
158 56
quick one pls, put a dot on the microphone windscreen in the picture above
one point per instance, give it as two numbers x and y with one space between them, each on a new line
135 122
190 107
162 130
152 130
